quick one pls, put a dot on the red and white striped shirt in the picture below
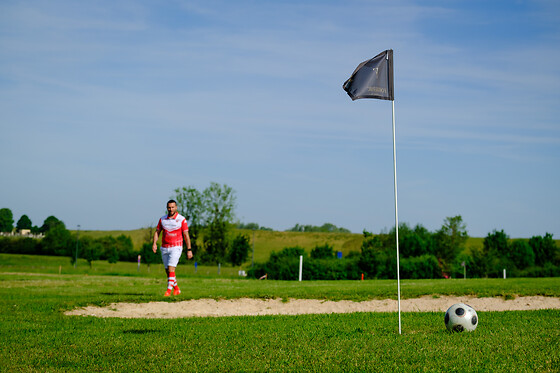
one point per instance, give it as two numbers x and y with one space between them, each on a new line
173 228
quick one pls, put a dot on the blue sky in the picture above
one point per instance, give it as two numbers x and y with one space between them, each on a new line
106 107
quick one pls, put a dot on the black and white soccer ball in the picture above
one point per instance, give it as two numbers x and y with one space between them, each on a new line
461 317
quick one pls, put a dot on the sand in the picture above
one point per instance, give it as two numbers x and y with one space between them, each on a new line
260 307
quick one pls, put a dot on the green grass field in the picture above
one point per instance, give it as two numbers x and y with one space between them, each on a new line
37 336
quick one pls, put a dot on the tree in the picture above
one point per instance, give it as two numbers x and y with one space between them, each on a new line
211 210
191 204
113 255
551 250
125 248
106 245
414 242
215 242
325 228
496 244
496 249
521 254
91 252
6 220
450 240
51 222
24 223
250 226
475 263
423 241
378 258
544 248
58 241
219 202
239 250
331 228
148 256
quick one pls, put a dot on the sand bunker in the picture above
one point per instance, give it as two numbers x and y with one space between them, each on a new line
260 307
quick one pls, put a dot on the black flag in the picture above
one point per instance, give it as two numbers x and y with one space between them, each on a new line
372 78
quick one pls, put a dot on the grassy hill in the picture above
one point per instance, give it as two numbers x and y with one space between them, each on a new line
265 241
268 241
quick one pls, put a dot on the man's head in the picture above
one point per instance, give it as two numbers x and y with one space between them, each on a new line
171 207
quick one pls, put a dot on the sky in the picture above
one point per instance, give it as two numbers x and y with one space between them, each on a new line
106 107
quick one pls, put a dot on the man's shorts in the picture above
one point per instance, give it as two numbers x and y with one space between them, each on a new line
171 255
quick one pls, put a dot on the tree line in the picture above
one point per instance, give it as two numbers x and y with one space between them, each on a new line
325 228
7 223
423 254
58 241
211 215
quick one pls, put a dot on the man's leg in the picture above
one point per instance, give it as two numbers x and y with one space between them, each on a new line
165 256
171 280
174 257
172 283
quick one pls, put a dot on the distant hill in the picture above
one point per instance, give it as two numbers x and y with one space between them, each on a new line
268 241
265 241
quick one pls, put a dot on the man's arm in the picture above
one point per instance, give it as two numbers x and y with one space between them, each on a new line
188 242
156 236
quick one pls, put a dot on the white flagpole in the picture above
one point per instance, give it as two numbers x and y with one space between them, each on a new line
396 217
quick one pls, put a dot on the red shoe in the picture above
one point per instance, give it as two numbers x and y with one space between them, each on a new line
167 293
176 291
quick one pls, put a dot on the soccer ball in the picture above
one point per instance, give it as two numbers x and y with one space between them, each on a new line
460 317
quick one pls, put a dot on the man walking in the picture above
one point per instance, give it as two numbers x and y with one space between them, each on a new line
174 228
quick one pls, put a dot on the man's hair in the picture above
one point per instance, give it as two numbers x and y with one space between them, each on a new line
171 201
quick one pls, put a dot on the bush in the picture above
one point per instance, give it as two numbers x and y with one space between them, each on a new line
545 249
147 255
284 265
415 242
239 250
378 259
322 252
331 269
20 245
521 254
125 249
548 270
425 266
58 241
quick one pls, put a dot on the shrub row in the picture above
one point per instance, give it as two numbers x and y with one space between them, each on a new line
285 266
378 261
104 248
